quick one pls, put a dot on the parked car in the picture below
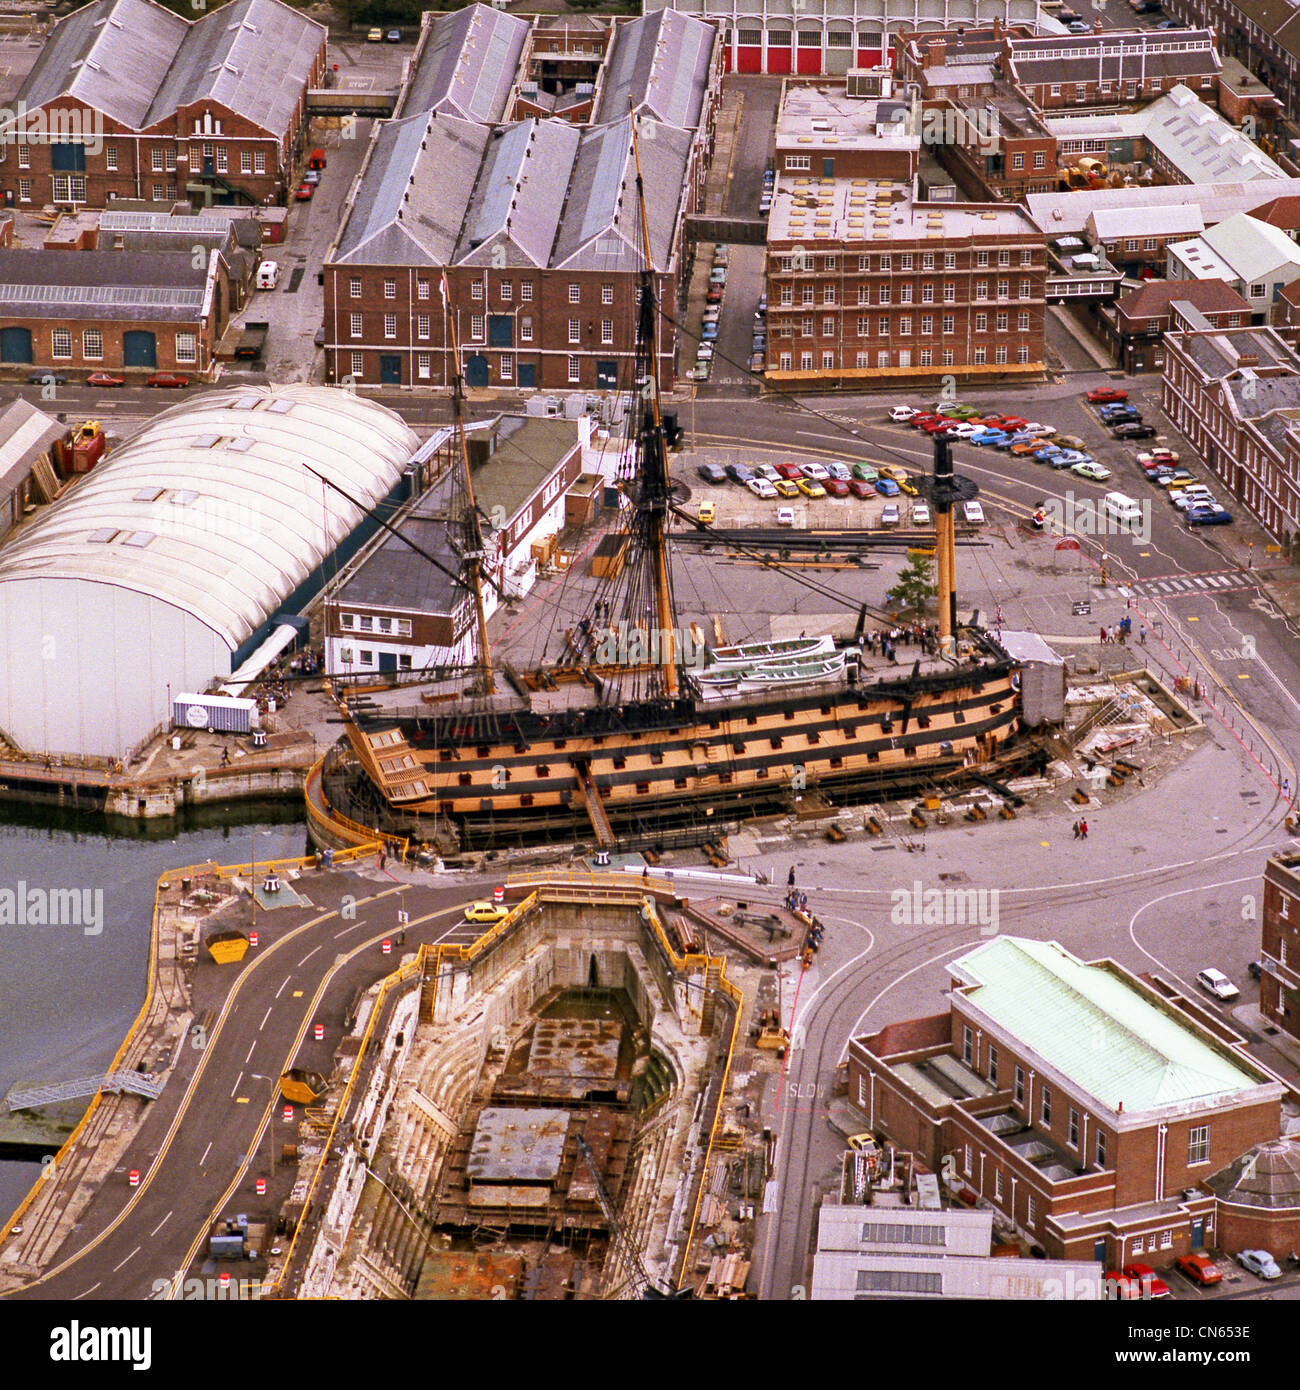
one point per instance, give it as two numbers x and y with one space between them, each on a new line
1047 454
706 512
887 487
1077 26
838 470
718 275
785 488
1120 415
815 471
1012 423
765 204
713 295
712 314
810 488
1260 1263
972 513
760 487
393 36
483 911
704 353
1160 455
785 516
1217 983
1069 441
712 472
865 472
957 412
1193 495
105 379
766 470
709 333
901 414
920 514
963 431
699 372
836 487
304 192
1106 395
169 380
1171 477
1036 427
46 379
1097 472
790 471
375 35
1147 1281
1026 448
1208 516
739 472
859 487
311 176
990 437
1200 1269
889 515
1256 970
1134 432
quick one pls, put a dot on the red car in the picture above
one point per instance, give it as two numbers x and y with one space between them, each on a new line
926 417
940 426
1199 1269
859 487
1011 423
1106 395
836 487
1146 1281
105 379
304 192
167 379
791 472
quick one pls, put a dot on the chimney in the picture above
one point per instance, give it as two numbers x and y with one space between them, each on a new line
997 26
936 54
1248 359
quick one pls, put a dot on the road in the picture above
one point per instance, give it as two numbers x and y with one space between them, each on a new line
218 1125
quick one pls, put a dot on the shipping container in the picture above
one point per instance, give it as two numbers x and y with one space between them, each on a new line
223 714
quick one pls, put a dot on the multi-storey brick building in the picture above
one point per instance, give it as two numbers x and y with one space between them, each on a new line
1085 1105
1136 323
535 225
1111 68
1263 34
128 100
110 310
1279 984
1235 394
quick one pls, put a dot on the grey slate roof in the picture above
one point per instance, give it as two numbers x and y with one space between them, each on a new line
436 159
254 57
112 55
137 62
568 193
25 434
658 64
1113 57
467 65
101 285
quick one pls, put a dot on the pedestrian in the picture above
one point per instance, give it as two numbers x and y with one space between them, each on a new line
790 880
383 856
1286 790
225 757
1076 830
1142 635
1083 829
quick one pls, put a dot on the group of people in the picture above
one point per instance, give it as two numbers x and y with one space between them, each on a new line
1081 830
1121 632
887 642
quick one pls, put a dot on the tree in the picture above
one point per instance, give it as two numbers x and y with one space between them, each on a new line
915 586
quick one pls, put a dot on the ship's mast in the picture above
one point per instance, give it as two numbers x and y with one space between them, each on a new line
473 531
653 491
946 489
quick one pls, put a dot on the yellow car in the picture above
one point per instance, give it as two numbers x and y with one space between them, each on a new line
809 488
905 486
892 470
375 36
486 912
785 488
706 512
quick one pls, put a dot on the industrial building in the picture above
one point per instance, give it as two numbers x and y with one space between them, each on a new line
129 100
168 566
1086 1106
27 476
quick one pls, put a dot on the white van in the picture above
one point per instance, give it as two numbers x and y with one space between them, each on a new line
268 275
1121 510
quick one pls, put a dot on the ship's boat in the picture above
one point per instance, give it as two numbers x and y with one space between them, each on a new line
748 653
582 744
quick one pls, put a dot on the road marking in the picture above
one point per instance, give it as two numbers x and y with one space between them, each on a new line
262 1025
90 1290
249 1053
204 1159
133 1253
283 982
346 929
306 958
297 994
165 1219
235 1087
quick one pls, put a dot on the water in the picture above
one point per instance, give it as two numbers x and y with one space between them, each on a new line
67 994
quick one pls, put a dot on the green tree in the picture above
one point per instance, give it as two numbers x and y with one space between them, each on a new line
915 587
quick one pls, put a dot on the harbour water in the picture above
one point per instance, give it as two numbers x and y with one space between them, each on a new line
72 966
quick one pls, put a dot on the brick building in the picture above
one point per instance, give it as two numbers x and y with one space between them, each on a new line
128 100
1135 325
1085 1105
111 310
1235 394
1111 67
1263 34
1279 986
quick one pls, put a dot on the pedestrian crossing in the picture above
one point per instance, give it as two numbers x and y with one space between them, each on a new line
1172 585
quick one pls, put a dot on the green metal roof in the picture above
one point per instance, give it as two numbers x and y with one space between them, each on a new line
1094 1027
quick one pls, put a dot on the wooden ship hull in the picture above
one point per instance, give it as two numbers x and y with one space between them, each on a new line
678 762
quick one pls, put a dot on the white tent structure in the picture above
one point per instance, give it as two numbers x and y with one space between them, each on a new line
158 570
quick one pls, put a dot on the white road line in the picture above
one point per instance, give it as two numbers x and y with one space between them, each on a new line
265 1016
90 1290
249 1053
347 929
233 1089
305 959
161 1224
204 1159
283 982
133 1253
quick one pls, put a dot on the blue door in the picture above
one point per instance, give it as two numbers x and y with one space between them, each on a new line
16 345
501 330
388 661
139 348
476 370
606 374
1198 1232
528 375
390 369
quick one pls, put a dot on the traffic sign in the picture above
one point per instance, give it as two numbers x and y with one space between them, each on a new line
288 1112
386 947
133 1177
320 1032
498 895
252 938
261 1187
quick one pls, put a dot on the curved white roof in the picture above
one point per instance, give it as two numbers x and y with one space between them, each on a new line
210 507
